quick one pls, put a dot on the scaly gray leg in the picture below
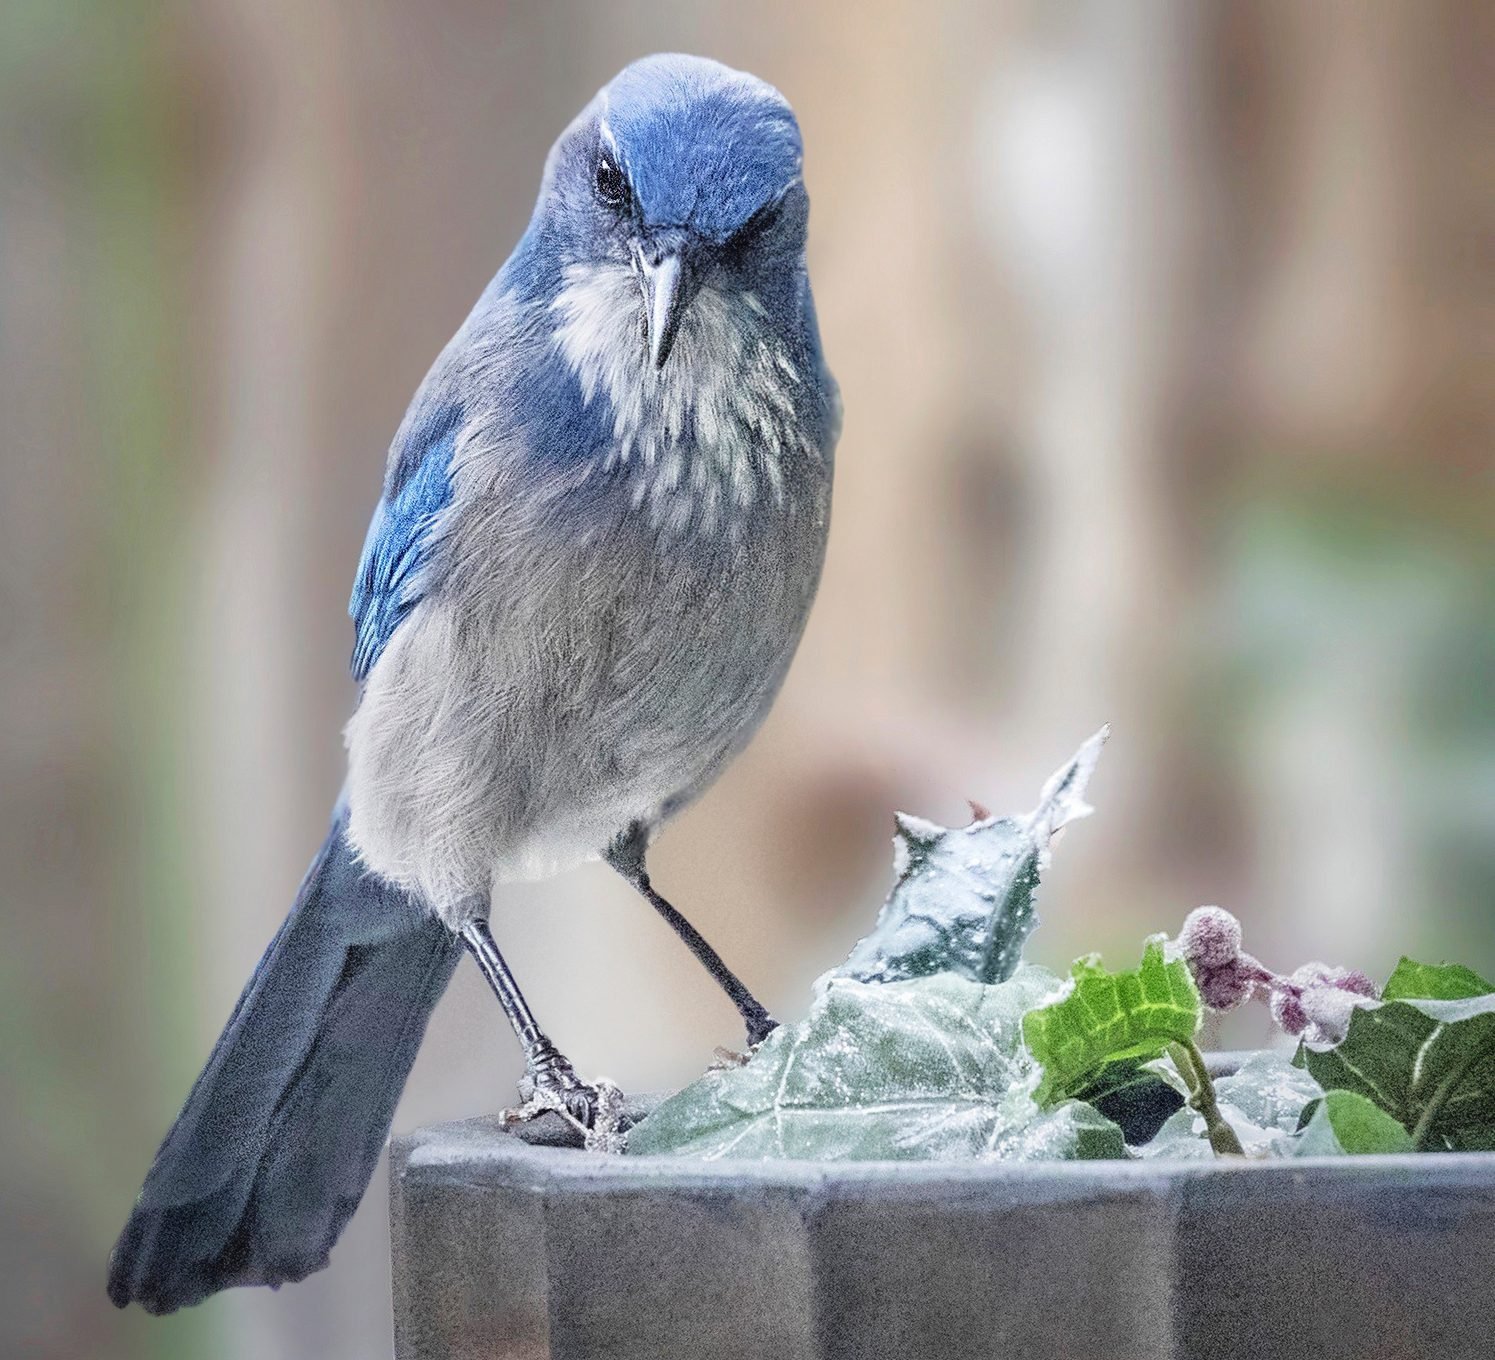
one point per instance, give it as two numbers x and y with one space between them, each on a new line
544 1063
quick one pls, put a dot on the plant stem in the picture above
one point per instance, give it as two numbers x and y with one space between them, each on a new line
1191 1065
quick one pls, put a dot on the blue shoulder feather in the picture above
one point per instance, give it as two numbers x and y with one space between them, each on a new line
390 579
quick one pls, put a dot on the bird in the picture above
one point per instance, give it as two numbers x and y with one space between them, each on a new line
602 525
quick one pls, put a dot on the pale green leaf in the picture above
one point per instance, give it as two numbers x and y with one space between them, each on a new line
931 1068
1433 982
1263 1103
1346 1122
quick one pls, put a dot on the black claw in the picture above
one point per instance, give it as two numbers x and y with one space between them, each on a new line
759 1027
550 1071
582 1102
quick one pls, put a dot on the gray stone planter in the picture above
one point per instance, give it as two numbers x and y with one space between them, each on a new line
507 1247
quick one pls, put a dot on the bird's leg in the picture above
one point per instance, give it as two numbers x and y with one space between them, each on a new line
544 1064
626 855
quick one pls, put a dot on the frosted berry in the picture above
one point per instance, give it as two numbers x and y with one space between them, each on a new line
1328 1010
1226 987
1350 980
1288 1012
1210 939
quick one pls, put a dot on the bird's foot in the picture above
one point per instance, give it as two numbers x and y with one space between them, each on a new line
595 1111
760 1024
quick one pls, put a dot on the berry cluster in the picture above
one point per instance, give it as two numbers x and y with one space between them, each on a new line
1315 1001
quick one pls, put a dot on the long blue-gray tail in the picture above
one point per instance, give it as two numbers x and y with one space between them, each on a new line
279 1137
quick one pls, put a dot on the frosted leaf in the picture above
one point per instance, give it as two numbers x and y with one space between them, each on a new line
1262 1103
1063 798
930 1068
1428 1062
964 899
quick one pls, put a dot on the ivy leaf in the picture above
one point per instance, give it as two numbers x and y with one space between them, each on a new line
1108 1017
1346 1122
963 901
1411 980
930 1068
1428 1063
1263 1101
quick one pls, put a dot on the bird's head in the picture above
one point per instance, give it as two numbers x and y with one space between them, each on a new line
686 174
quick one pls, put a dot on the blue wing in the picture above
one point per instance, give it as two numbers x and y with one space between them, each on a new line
391 576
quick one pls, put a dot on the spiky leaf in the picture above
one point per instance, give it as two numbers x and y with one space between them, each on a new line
964 897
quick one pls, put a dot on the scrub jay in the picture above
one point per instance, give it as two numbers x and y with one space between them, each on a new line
601 530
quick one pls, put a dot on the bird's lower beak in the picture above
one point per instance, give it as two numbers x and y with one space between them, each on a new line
669 287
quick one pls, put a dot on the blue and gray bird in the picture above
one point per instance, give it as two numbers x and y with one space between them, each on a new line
601 530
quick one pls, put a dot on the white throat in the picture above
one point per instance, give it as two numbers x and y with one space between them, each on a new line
710 432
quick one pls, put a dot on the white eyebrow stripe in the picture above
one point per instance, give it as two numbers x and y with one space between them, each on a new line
606 131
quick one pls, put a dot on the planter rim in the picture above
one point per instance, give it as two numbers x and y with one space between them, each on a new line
469 1147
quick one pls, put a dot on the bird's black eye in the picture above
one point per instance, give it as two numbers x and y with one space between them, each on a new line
612 188
754 229
762 220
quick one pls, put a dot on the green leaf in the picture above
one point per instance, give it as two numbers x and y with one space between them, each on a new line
1108 1017
964 898
931 1068
1263 1102
1430 1064
1412 981
1346 1122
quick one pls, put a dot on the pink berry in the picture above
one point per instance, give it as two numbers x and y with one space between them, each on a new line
1210 938
1328 1010
1226 987
1350 980
1288 1012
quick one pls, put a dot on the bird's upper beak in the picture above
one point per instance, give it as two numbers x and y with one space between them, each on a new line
670 280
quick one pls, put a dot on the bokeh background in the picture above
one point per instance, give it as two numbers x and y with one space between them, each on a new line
1165 336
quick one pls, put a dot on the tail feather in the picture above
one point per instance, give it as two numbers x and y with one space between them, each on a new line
279 1136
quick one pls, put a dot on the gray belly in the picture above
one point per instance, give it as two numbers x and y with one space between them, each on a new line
508 734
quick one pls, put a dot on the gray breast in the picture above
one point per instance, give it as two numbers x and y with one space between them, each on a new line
576 672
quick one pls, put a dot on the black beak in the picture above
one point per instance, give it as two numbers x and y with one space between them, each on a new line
670 284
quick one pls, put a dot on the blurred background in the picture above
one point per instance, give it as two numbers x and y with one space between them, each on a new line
1165 337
